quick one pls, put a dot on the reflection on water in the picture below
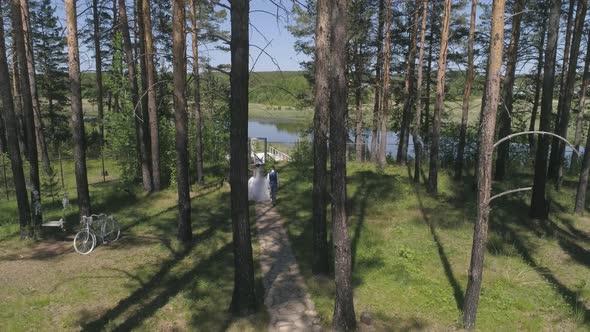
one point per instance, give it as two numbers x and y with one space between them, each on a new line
276 130
289 132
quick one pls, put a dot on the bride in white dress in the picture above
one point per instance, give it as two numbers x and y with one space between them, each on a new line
258 187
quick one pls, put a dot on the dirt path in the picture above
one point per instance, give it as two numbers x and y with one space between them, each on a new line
288 304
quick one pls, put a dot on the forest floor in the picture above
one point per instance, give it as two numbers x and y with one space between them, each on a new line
411 253
145 281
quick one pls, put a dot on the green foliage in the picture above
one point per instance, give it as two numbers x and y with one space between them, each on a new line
302 155
167 151
279 88
50 186
404 241
51 62
216 118
121 128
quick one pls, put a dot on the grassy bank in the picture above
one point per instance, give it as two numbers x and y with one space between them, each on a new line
145 281
411 253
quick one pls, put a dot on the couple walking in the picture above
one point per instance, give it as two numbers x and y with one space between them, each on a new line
263 188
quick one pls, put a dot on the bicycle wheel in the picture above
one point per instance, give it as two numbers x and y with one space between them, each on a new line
84 242
110 230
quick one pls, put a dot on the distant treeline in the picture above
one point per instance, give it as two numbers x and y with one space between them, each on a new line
289 88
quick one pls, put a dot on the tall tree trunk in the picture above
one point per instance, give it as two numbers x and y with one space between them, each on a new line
554 160
140 51
3 142
98 66
426 118
244 294
151 94
77 114
538 202
582 104
537 85
358 95
40 137
28 113
569 87
197 93
409 85
417 116
385 96
140 135
18 100
508 93
440 98
185 233
9 117
378 83
583 181
484 163
320 264
466 96
344 317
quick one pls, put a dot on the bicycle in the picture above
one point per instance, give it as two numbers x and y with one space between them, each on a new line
101 226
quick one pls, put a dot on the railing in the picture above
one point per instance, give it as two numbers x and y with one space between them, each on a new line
278 155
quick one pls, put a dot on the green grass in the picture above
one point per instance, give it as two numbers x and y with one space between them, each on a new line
146 281
280 112
411 253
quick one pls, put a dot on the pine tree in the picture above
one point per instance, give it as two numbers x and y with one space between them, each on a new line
9 117
76 105
484 163
51 64
244 293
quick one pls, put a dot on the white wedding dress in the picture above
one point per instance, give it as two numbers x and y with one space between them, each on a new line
258 190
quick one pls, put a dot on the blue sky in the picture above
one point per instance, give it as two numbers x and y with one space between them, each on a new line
268 30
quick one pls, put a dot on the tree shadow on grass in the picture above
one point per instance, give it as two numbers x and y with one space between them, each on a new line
371 187
506 223
457 290
164 284
206 285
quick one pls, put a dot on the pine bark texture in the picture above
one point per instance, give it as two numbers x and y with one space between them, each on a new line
9 117
344 318
460 160
432 186
569 89
40 137
552 172
506 107
418 115
154 130
140 135
378 84
409 86
538 81
426 117
582 105
28 116
244 293
358 95
98 69
538 202
139 44
484 163
18 100
76 104
583 181
320 264
185 233
385 97
197 93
